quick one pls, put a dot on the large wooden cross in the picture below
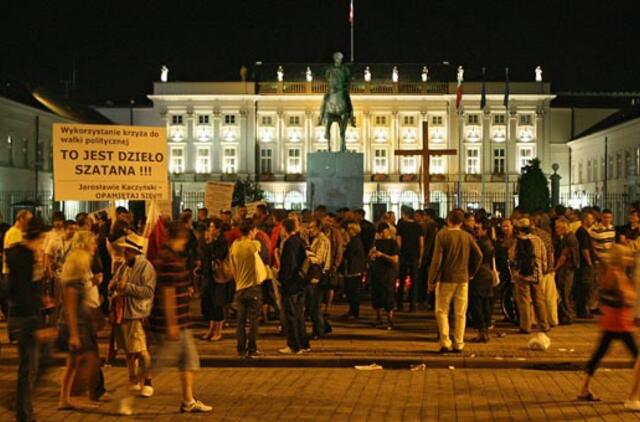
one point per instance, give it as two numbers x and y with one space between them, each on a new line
425 153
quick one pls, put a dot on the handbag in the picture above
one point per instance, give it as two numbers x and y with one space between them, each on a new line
223 273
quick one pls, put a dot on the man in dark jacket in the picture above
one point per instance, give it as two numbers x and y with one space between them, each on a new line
25 295
293 286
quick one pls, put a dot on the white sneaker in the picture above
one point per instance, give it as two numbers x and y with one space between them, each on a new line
286 351
194 407
135 387
633 405
307 350
147 391
125 407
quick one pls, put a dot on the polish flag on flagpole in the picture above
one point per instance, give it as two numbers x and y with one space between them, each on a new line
154 230
459 95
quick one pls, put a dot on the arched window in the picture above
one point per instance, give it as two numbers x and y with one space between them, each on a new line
410 199
269 197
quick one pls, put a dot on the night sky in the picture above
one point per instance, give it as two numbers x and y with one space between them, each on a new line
117 48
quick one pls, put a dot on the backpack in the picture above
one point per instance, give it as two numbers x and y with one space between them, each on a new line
525 261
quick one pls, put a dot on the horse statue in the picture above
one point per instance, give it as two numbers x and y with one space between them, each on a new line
336 105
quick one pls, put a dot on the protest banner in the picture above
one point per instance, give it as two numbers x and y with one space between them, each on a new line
252 206
218 197
106 163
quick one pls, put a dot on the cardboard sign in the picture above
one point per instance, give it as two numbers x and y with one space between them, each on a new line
253 206
218 197
106 163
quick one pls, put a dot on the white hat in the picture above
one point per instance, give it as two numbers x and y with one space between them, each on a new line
133 241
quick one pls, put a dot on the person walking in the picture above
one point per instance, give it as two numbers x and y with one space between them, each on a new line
617 296
25 279
384 258
169 318
354 267
292 282
249 272
529 259
456 259
77 335
135 282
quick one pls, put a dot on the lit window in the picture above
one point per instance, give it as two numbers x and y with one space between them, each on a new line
381 120
229 119
229 161
294 161
525 120
203 119
627 163
294 120
498 119
436 164
176 164
589 172
526 154
473 119
380 163
203 161
618 165
176 119
473 161
409 165
498 161
267 121
436 120
266 160
409 120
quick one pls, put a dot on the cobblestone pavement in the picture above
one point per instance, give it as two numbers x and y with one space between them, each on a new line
414 340
323 394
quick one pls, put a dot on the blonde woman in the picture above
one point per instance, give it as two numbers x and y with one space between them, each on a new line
77 333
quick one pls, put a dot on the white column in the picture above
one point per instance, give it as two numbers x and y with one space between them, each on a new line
365 131
279 150
394 166
541 151
216 164
308 138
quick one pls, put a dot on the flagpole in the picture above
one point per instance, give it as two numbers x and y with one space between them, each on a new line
351 18
507 200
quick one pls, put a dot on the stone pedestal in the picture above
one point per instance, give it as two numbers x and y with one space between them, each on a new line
335 179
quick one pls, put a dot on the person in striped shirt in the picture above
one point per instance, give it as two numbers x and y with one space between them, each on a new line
603 237
169 319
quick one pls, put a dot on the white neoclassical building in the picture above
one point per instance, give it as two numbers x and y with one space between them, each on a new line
264 129
605 163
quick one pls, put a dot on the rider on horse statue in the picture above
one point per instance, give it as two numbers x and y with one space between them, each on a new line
336 105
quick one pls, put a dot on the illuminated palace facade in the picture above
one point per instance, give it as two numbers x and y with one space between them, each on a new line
265 129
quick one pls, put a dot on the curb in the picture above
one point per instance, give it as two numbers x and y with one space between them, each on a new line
387 362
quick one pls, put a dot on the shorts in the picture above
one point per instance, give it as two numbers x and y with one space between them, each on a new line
130 336
181 353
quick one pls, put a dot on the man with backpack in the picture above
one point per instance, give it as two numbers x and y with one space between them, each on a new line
528 257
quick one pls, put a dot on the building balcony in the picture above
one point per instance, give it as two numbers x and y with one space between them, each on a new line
472 177
373 87
409 178
380 177
437 178
294 177
497 177
267 177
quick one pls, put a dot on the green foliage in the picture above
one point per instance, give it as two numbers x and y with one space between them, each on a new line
533 188
245 191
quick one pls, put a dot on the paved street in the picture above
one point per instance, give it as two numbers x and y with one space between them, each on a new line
251 394
413 341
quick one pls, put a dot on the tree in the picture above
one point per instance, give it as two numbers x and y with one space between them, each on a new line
533 191
247 190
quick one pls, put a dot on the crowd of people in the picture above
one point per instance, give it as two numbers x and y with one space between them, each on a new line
64 280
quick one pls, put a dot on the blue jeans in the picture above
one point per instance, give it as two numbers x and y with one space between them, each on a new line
248 302
294 316
23 329
314 293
